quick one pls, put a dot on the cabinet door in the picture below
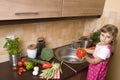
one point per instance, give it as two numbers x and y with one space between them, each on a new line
82 7
29 9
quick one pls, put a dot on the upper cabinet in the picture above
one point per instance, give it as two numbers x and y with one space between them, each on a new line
32 9
29 9
82 7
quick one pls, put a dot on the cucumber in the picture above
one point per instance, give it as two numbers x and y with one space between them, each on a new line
35 60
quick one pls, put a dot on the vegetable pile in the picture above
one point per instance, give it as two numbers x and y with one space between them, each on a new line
49 73
44 64
49 70
24 65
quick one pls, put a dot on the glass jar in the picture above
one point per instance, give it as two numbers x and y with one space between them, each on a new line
40 45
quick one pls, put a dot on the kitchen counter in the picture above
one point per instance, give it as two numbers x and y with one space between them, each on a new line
69 70
8 74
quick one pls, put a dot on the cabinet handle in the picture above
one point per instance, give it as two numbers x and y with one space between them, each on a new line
26 13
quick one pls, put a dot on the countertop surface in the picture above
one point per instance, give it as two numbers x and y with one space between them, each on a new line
8 74
68 70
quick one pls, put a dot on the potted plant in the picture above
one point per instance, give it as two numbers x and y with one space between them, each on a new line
12 46
94 36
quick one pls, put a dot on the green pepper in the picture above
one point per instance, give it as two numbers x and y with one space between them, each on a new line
29 65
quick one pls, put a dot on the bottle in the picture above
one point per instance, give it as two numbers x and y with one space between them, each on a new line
40 45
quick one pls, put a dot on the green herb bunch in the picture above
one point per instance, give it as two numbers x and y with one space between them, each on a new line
95 37
12 45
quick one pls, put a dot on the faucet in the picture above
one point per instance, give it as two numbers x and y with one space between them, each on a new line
73 44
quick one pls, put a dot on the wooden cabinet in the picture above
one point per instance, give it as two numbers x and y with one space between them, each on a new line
82 7
32 9
29 9
80 75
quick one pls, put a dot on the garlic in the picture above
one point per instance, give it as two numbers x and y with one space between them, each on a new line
35 72
36 68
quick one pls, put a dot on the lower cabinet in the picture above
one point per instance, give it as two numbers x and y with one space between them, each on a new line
80 75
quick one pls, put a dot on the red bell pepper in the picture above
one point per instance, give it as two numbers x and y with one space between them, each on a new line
80 52
46 65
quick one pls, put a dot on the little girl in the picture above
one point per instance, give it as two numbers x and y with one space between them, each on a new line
100 56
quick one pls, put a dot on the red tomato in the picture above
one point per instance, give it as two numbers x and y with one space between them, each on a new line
24 70
20 63
46 65
14 68
80 52
21 68
19 73
35 63
24 63
23 59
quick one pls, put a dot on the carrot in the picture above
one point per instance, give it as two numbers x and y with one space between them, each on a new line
92 48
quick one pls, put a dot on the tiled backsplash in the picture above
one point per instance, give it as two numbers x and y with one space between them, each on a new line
107 18
56 33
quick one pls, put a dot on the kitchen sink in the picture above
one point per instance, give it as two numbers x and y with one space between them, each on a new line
68 55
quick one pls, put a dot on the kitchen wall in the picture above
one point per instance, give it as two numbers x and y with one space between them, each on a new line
57 33
111 15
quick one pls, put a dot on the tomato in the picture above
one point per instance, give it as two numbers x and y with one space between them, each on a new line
21 68
14 68
80 52
19 73
20 63
46 65
35 63
23 59
24 63
24 70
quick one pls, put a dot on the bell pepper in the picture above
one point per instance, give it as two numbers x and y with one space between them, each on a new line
46 65
29 65
80 52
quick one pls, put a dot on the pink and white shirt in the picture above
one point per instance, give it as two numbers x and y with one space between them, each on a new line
102 51
98 71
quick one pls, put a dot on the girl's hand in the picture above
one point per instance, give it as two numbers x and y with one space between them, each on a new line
89 51
85 57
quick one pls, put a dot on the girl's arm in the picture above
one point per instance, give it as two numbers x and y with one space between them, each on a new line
93 61
89 51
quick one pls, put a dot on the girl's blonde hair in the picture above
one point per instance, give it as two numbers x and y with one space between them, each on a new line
111 29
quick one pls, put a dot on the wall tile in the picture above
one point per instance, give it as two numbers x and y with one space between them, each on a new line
57 33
